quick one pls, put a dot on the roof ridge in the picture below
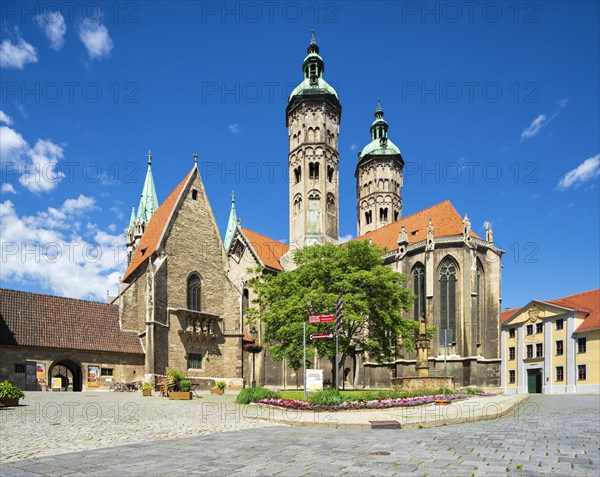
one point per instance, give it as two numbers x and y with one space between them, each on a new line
56 296
263 235
572 296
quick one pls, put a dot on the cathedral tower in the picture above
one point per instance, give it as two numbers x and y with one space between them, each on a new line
313 118
378 179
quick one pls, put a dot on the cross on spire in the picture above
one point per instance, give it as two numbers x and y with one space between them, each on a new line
232 197
149 156
195 158
313 36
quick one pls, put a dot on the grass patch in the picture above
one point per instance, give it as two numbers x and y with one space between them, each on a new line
367 394
328 397
472 391
248 395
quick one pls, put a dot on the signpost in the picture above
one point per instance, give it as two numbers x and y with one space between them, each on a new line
321 336
339 306
304 361
313 319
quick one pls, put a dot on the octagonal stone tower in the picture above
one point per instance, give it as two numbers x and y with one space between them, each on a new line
378 179
313 118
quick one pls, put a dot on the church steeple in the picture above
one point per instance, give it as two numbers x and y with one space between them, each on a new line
231 225
380 126
132 218
148 201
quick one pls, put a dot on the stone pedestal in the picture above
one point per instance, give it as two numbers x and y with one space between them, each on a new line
422 383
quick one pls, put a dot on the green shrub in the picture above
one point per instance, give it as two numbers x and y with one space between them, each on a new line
474 390
221 384
185 385
147 385
176 375
248 395
10 391
328 397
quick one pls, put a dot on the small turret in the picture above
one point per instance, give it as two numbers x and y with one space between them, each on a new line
231 224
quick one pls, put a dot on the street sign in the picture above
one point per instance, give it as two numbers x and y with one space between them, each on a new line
321 336
321 319
339 317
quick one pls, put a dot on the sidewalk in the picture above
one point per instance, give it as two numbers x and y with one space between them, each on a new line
473 409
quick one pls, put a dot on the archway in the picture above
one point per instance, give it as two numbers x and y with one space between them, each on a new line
70 374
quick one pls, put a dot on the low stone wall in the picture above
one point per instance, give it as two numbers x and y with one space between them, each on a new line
422 383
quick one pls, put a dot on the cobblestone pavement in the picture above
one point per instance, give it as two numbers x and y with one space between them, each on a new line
546 435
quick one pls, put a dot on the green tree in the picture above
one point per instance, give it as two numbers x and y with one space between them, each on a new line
374 298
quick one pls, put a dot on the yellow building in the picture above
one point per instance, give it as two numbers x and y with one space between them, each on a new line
552 346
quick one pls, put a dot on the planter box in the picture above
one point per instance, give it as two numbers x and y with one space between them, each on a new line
180 396
8 402
146 392
217 391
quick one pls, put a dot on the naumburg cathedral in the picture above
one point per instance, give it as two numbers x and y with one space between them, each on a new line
183 296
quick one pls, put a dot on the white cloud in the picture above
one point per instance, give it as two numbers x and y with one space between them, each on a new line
346 238
5 118
7 188
16 55
118 212
541 121
234 128
37 166
41 174
354 147
54 27
96 39
588 169
46 250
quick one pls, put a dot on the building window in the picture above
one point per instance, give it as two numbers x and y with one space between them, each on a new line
245 300
194 361
539 350
560 373
106 371
20 368
511 377
559 348
478 301
539 328
313 170
511 353
581 372
383 214
559 324
419 291
368 217
581 345
298 174
511 332
330 172
193 292
448 275
194 194
530 351
529 330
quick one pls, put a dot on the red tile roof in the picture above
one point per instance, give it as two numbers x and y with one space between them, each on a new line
269 250
154 229
444 217
589 302
506 314
33 319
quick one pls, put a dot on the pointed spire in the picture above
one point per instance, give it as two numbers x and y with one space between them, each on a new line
148 201
380 126
132 218
467 227
195 158
231 224
489 234
402 237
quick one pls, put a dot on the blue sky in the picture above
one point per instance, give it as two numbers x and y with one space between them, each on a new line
494 106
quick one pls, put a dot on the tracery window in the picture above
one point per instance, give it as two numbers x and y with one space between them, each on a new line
419 291
447 283
193 292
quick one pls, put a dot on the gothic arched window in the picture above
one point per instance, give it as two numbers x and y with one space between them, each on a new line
419 290
448 274
193 292
480 290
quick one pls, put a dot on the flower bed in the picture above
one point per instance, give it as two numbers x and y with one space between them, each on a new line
379 404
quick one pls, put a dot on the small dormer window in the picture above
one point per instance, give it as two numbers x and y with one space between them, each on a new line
194 194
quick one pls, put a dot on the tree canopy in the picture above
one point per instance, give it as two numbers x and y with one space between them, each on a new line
373 295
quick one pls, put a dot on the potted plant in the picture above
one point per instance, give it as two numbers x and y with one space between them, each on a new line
147 389
219 388
10 394
184 393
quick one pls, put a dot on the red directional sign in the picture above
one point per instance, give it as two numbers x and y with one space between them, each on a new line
321 319
321 336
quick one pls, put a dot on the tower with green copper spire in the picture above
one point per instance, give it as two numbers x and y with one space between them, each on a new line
148 205
378 179
313 118
231 225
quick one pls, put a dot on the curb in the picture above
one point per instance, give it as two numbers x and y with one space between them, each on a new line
406 425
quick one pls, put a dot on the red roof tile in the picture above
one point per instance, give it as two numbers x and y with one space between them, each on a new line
154 229
444 217
506 314
269 250
33 319
589 302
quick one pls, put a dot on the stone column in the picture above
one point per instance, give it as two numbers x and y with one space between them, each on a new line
422 351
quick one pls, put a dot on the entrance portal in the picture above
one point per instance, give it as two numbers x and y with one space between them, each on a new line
534 381
70 374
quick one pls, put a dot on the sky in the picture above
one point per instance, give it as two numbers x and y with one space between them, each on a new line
494 105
